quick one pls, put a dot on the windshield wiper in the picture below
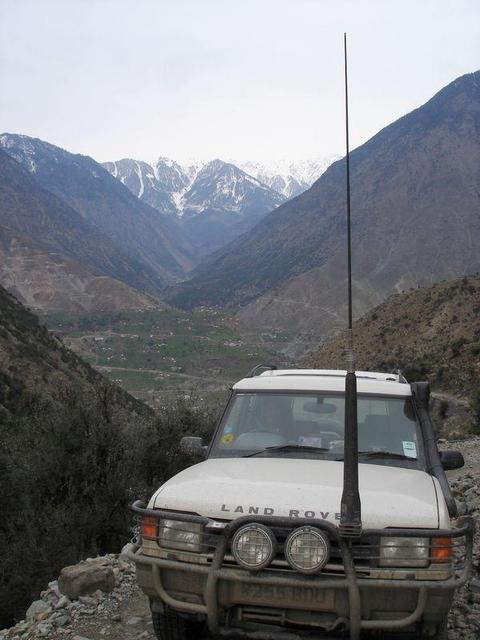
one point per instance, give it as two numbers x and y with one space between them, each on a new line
286 447
385 454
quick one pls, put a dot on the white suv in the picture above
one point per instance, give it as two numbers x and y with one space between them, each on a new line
247 541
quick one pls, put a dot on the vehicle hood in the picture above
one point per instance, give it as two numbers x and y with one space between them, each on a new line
228 488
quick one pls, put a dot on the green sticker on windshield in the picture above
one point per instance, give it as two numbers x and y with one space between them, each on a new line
409 449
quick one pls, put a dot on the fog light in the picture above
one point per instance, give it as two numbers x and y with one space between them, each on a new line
254 546
307 549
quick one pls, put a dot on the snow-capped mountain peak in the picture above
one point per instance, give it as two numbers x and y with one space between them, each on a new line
290 178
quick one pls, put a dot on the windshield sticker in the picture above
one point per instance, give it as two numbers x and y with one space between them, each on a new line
409 449
228 436
310 441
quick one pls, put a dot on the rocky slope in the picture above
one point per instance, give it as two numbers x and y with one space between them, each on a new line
149 238
429 333
51 258
213 203
415 221
121 611
33 360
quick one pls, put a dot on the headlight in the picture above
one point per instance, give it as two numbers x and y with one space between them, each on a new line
254 546
404 552
307 549
184 536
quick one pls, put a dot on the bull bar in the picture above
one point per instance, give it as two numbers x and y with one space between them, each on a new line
460 572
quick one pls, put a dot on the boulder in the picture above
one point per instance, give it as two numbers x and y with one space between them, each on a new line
84 578
37 610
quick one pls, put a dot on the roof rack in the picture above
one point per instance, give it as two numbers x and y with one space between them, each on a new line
401 377
261 367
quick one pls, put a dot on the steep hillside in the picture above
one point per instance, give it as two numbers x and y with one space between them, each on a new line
70 445
144 234
431 332
415 214
51 258
33 361
213 203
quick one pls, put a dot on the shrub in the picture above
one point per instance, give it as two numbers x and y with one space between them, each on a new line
68 473
475 349
456 345
416 371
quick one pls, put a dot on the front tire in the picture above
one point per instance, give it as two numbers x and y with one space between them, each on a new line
439 632
442 631
169 625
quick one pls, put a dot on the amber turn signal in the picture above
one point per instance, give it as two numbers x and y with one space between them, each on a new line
149 528
442 549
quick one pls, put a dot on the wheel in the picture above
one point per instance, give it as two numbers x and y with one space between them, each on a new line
442 631
169 625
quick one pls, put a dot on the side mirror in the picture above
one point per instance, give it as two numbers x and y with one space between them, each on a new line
193 446
451 460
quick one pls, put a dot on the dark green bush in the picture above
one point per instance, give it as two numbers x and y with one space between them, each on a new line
68 473
456 345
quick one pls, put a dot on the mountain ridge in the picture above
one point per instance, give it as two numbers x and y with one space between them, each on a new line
52 258
415 191
213 202
136 229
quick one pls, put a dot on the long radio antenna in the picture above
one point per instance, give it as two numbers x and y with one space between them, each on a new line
350 507
350 355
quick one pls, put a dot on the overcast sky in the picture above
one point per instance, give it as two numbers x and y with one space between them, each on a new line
244 79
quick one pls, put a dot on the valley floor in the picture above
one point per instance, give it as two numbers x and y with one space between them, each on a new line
158 355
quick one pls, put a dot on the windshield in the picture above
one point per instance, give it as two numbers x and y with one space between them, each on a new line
304 425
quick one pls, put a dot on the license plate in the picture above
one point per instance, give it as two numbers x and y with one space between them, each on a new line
275 595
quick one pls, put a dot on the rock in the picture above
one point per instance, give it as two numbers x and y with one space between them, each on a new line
37 610
81 579
44 630
62 603
53 586
475 585
61 620
134 620
462 508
